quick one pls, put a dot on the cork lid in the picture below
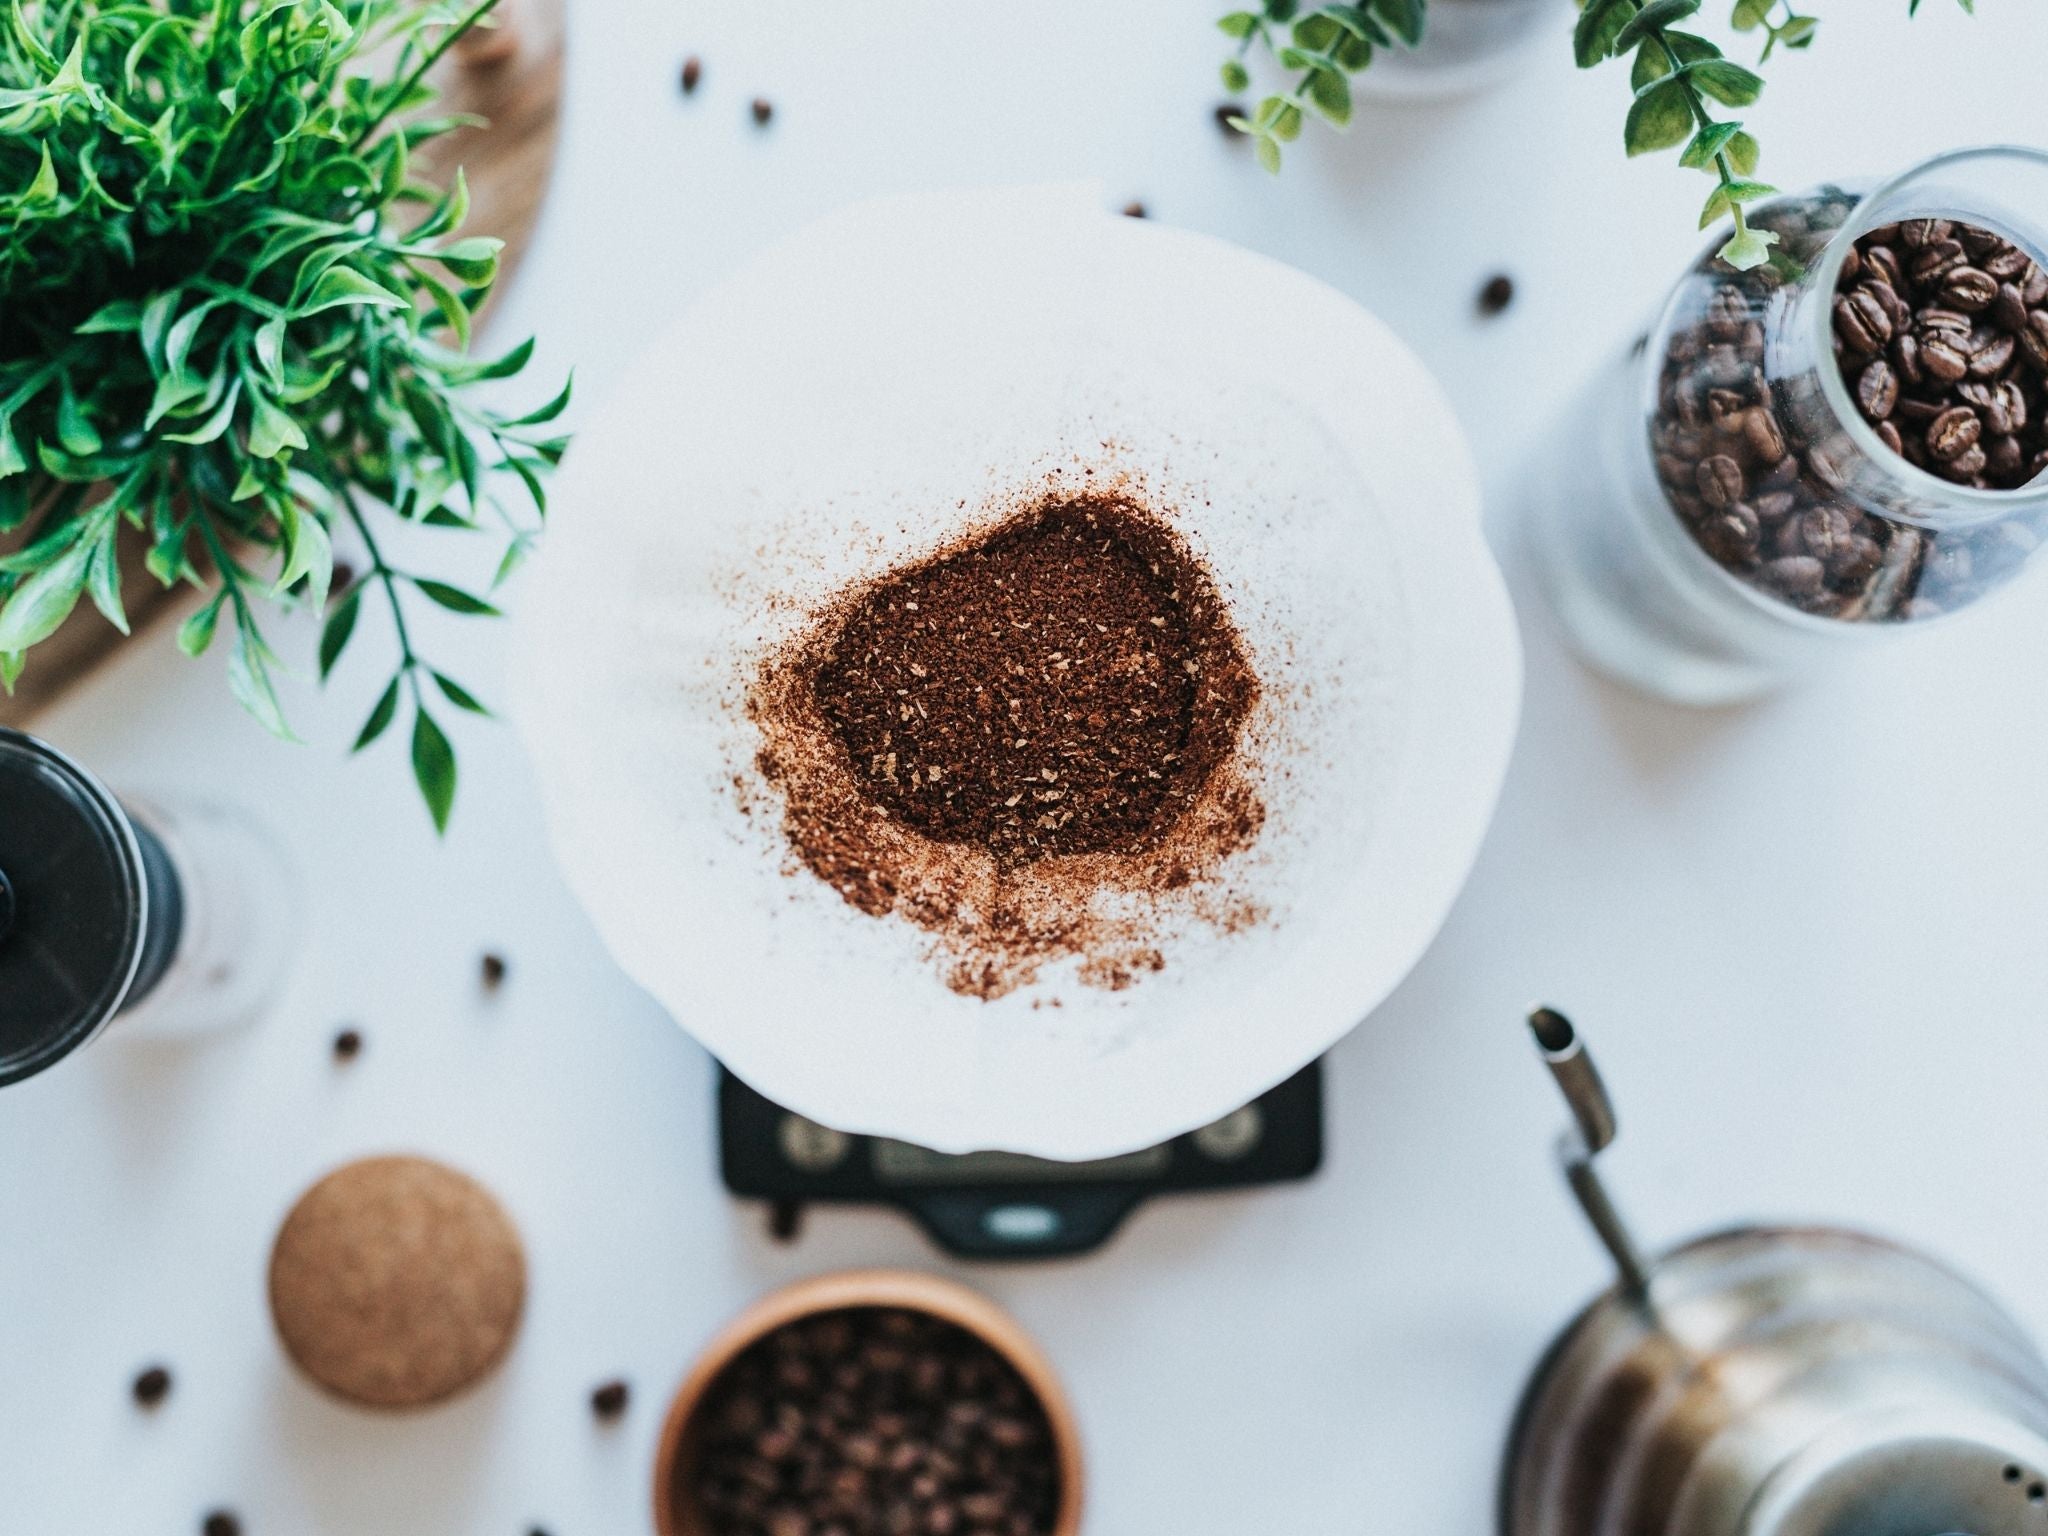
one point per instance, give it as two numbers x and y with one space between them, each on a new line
397 1282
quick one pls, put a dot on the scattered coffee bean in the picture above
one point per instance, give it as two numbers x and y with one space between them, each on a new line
152 1386
785 1220
693 71
763 109
493 972
1946 357
348 1044
609 1400
873 1421
1225 111
1134 209
1497 294
221 1522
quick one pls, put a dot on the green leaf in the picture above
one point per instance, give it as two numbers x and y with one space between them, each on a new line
380 716
433 768
453 598
103 581
215 424
341 623
1727 82
339 286
196 633
271 430
74 428
249 681
458 695
1235 76
43 189
1238 24
45 600
1652 19
1658 119
1404 17
1742 154
1750 14
1600 23
473 261
1707 143
1748 248
1267 149
552 409
1330 93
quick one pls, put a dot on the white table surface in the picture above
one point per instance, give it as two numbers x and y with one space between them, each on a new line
1806 937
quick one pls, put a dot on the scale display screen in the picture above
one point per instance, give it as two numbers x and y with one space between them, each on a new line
901 1163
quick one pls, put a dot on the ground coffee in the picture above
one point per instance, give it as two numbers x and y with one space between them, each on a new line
1044 711
1062 686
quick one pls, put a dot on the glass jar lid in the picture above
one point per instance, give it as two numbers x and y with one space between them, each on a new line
73 906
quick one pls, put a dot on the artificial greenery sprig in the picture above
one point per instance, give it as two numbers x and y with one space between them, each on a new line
231 318
1676 75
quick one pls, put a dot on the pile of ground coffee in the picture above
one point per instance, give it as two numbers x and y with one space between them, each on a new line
1040 712
873 1421
1062 686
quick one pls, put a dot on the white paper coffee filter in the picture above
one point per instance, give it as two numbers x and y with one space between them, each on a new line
848 403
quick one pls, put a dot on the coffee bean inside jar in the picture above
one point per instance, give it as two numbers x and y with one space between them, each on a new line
1936 334
873 1421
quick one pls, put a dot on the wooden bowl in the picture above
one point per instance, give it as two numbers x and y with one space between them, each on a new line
674 1512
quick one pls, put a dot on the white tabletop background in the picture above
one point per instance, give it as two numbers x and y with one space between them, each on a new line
1807 937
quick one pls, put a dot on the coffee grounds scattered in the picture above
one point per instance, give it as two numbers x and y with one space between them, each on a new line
986 741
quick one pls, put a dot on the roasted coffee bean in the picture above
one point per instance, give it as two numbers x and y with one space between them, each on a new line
1990 352
1882 262
1725 409
1938 321
348 1044
1821 466
1934 261
1953 431
1905 353
1896 309
1861 322
1727 313
2009 308
1942 358
1915 411
1225 111
491 971
1731 535
1497 294
1795 575
2002 405
2003 457
152 1386
2033 340
763 110
220 1522
1720 480
1965 466
1889 436
2004 261
2034 284
693 71
1917 234
1765 438
1877 390
609 1400
1968 289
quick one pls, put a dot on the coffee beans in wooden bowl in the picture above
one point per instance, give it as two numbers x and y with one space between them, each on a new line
883 1419
1937 331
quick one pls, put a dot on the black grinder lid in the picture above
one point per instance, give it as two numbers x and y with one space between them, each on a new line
73 906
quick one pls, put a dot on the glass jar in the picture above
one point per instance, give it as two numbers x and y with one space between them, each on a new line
1466 46
1803 458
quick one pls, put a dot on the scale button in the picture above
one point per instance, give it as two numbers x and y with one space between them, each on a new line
1233 1136
1021 1223
812 1147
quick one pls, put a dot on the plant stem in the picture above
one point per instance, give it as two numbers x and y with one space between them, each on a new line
382 570
404 87
1700 117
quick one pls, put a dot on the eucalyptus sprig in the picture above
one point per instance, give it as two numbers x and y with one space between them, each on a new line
1676 75
1327 45
233 318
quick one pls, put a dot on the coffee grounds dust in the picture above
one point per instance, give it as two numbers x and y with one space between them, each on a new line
1028 744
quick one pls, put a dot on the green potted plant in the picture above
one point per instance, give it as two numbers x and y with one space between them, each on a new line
232 320
1678 81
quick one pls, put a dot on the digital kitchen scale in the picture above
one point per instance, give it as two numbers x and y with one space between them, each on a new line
1003 1205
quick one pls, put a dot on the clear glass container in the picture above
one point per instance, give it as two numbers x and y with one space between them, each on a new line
1466 46
173 918
1768 480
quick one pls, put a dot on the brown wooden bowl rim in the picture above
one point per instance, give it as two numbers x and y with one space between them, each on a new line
912 1290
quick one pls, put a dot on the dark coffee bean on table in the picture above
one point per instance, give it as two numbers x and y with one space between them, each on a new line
609 1401
1497 295
220 1522
152 1386
693 71
1134 209
492 972
763 109
348 1044
1225 111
